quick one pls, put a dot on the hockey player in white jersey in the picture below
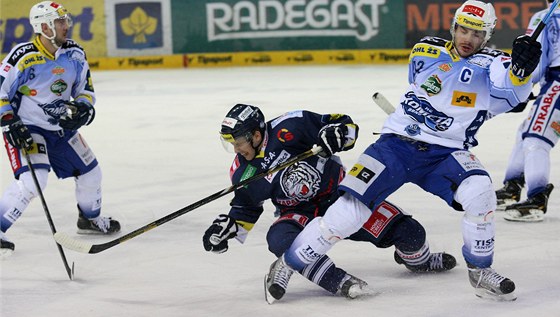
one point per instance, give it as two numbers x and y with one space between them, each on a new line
529 160
46 95
455 86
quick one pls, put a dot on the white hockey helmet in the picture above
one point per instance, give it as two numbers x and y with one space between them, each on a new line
47 12
475 15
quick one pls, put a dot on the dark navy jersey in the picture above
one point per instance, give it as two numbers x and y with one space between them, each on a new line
305 188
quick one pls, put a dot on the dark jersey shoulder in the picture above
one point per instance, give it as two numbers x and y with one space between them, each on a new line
492 52
434 40
19 51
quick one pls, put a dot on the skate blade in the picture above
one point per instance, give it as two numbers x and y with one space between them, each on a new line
534 215
361 293
486 294
267 296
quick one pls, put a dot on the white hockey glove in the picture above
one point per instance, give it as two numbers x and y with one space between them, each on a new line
216 237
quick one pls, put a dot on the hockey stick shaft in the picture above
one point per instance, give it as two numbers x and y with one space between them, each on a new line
383 103
84 247
69 270
544 21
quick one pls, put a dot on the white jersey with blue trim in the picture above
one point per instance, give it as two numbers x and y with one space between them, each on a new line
35 84
450 97
550 41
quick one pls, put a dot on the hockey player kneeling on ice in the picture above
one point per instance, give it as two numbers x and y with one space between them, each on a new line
46 95
301 194
454 87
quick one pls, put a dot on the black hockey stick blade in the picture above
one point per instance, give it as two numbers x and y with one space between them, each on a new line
85 247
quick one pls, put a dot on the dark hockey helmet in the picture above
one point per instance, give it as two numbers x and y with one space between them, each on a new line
242 121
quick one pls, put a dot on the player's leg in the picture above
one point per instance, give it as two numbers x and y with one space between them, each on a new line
22 190
72 157
390 226
322 272
537 174
478 199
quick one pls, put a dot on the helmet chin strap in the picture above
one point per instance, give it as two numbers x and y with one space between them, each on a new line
51 38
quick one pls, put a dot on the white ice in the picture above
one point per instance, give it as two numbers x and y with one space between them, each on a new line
155 136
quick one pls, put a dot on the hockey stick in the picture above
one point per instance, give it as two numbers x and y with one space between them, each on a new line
85 247
383 103
543 22
69 270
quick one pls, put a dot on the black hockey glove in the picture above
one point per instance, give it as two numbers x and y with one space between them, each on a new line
332 138
216 237
522 105
525 55
82 113
15 131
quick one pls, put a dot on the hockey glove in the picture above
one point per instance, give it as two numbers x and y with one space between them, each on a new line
15 131
522 105
82 113
216 237
525 56
332 138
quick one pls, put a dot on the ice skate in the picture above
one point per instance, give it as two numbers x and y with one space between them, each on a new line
6 246
438 262
276 281
352 287
97 225
491 285
530 210
510 193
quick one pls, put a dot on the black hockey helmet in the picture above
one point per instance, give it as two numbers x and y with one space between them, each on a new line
242 121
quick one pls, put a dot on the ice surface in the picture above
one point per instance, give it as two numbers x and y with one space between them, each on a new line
155 135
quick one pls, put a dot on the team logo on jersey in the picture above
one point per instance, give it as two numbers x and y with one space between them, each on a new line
300 181
412 130
445 67
7 68
58 87
54 110
284 135
463 99
432 85
58 70
422 111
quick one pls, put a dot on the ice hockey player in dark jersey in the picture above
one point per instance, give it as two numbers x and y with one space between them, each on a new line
304 191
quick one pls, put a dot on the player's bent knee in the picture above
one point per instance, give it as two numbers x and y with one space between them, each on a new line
346 216
476 195
534 145
27 184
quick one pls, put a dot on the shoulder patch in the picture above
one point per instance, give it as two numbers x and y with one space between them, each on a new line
433 40
71 44
426 50
492 52
19 51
